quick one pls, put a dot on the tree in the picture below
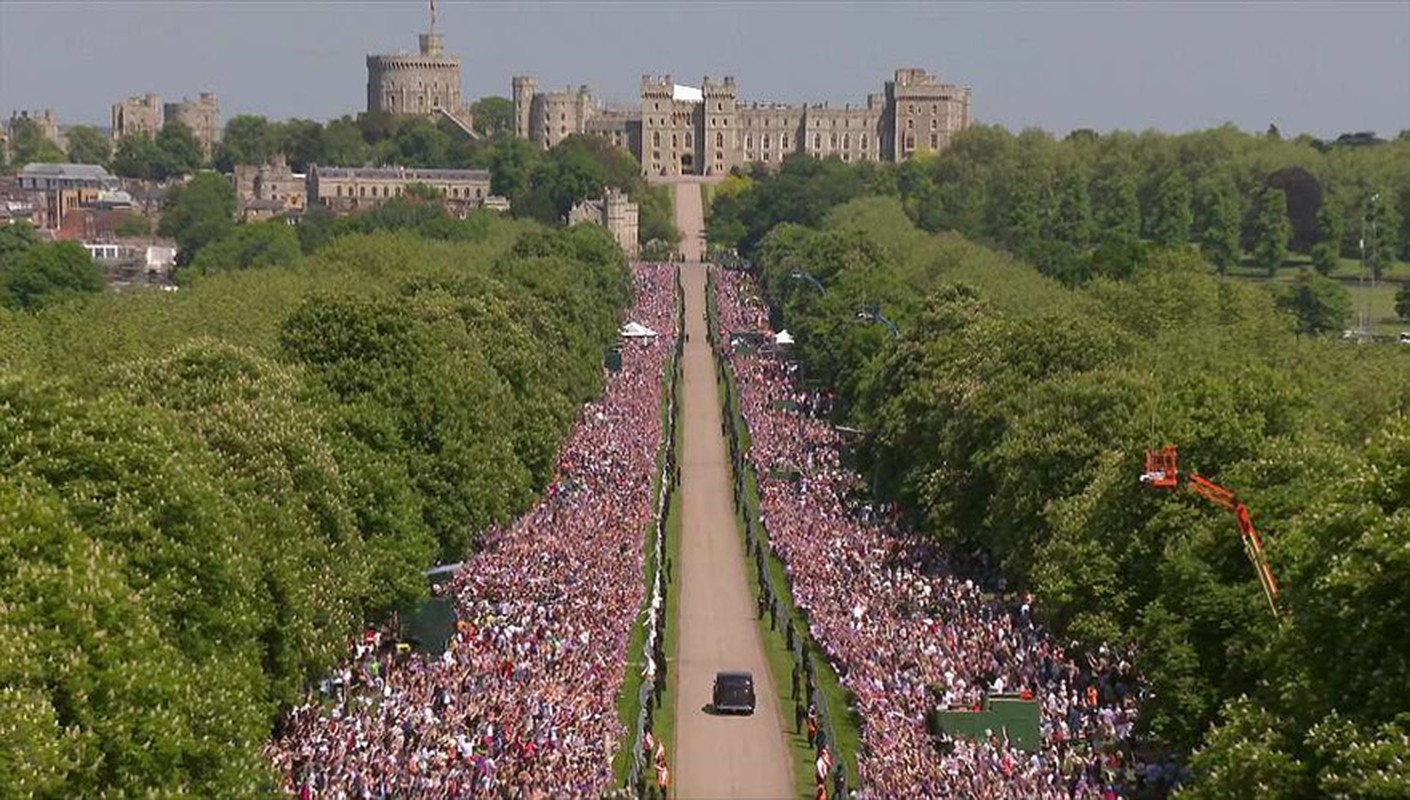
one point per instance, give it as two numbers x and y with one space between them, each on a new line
87 145
180 150
248 139
302 141
198 213
49 273
133 225
1319 303
341 144
1119 207
29 145
1170 226
1219 225
1272 231
272 243
1326 253
494 117
15 240
1402 302
137 156
1073 221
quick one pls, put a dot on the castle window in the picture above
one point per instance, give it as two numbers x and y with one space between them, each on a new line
719 106
910 142
655 106
833 142
656 139
934 141
935 109
933 123
864 141
719 139
784 142
847 142
362 191
817 141
766 155
749 142
340 190
910 124
675 141
767 143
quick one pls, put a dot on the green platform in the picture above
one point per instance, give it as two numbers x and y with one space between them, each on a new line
1000 713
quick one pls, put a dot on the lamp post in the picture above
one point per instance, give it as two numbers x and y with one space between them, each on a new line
872 313
804 275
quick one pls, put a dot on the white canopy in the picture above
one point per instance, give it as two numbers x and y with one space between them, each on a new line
635 330
689 94
783 337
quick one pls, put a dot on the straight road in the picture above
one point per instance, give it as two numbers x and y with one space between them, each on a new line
716 756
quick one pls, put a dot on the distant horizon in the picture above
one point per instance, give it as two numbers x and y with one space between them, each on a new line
1317 69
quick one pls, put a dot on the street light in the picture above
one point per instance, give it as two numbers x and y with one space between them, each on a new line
1366 266
872 313
804 275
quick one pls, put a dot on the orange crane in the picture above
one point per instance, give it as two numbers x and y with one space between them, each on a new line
1163 472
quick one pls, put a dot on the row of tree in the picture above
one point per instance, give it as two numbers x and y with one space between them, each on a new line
205 492
1010 418
1238 198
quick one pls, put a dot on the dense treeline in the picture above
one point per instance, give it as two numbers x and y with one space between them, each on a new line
1091 205
1010 417
204 492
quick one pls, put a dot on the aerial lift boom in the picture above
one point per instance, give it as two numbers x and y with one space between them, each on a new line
1163 472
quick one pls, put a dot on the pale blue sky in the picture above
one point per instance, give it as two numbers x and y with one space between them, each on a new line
1321 68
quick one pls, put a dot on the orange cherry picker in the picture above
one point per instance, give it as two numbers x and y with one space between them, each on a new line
1163 472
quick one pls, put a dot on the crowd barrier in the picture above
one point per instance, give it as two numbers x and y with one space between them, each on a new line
805 653
640 777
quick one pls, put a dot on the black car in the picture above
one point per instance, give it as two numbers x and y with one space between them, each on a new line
734 693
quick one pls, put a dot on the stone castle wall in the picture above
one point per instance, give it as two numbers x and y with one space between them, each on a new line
714 132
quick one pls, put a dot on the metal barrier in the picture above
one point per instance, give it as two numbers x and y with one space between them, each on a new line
756 537
653 685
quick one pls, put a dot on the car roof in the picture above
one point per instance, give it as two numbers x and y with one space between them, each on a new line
734 674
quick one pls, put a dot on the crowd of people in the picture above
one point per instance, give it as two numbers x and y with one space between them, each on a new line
522 703
903 629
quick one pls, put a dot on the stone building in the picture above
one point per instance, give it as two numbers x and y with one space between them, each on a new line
65 187
202 116
683 130
344 189
270 189
615 212
138 114
45 121
424 84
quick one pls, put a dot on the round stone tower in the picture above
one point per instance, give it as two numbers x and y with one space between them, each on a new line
419 84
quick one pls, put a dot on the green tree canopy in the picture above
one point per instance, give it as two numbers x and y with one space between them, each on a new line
198 213
180 150
87 145
50 273
1272 231
248 139
29 145
494 117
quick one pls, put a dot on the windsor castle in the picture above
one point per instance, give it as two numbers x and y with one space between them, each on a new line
684 130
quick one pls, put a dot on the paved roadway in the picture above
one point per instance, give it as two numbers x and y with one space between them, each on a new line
716 756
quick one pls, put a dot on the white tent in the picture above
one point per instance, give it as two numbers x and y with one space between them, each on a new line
635 330
688 94
783 337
